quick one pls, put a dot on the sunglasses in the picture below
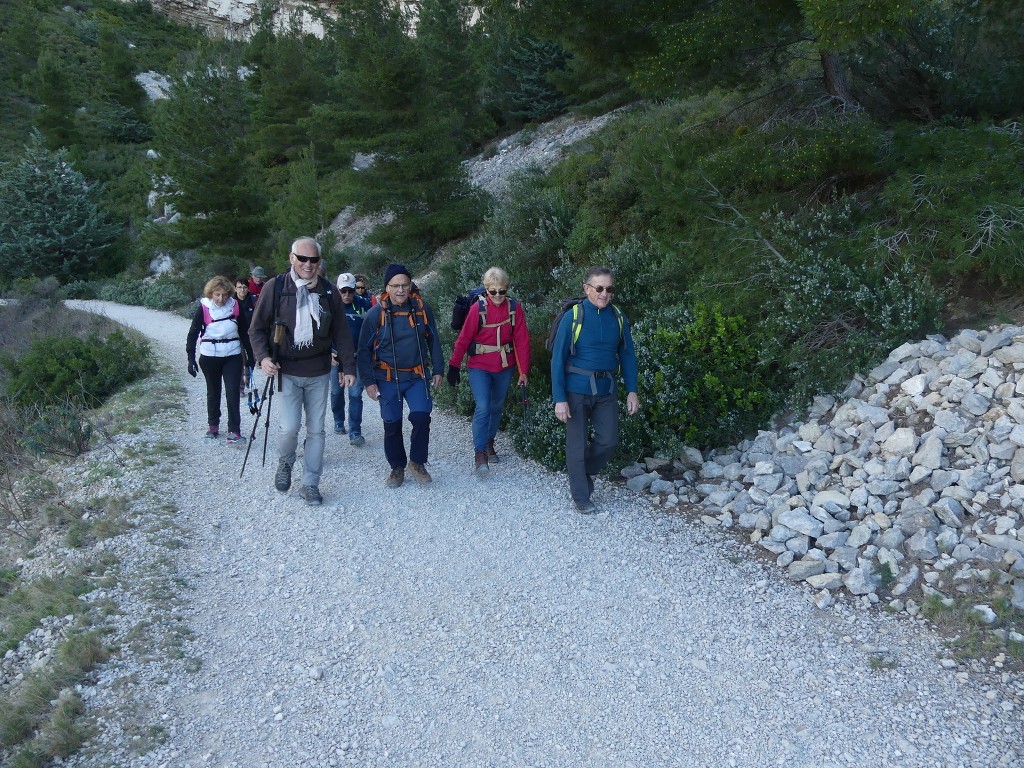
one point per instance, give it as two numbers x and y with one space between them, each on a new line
347 290
307 259
603 288
360 287
497 291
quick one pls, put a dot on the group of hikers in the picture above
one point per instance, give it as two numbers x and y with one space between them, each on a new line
319 339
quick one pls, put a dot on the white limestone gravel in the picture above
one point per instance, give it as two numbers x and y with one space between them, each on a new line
470 623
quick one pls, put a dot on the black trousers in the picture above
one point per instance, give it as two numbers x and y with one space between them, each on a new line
583 457
228 370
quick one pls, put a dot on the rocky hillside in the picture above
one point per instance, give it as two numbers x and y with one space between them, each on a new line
535 146
905 489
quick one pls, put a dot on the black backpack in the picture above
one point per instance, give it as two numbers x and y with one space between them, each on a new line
460 310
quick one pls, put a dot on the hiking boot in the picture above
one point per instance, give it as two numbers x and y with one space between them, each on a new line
586 507
311 494
339 429
212 432
357 440
481 462
234 437
283 476
419 473
395 478
492 455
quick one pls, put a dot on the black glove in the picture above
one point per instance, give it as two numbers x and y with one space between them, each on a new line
193 368
453 375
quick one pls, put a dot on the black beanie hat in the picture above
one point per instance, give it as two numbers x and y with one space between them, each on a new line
395 269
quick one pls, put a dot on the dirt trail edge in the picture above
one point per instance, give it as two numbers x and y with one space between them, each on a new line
470 623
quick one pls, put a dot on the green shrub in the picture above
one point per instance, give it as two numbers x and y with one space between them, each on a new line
164 294
795 155
123 290
59 371
80 289
58 431
834 308
956 204
702 382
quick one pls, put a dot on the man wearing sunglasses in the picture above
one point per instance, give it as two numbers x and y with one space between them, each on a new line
310 311
592 347
355 306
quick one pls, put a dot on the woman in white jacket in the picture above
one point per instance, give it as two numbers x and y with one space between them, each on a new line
222 332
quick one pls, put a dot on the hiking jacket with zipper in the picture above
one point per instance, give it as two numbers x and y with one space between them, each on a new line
332 331
375 343
597 349
221 338
498 332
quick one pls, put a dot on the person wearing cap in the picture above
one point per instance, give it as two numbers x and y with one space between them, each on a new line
310 311
399 358
355 307
258 275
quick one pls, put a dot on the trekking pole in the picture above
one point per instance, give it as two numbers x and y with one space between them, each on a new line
252 436
524 401
275 349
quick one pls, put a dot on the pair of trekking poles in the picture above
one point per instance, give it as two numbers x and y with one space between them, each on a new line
266 399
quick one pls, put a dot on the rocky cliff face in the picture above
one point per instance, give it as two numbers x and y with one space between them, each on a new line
234 18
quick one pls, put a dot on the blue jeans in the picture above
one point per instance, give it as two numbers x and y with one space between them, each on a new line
298 394
489 390
355 404
416 394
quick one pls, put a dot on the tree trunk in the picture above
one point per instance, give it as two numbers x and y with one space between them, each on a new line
835 79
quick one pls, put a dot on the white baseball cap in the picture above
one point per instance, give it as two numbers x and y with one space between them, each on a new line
346 280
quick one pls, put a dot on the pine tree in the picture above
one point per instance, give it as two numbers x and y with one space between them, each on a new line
445 42
50 217
201 133
384 108
55 118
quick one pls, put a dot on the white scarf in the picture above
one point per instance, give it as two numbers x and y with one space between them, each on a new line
307 312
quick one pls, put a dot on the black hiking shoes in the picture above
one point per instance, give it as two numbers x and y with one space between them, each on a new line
283 476
586 507
311 494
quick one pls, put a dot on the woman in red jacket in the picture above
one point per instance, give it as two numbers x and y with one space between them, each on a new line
497 342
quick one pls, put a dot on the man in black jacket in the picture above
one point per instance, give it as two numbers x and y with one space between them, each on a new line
308 308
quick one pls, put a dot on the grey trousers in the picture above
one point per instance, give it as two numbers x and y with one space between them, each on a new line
298 394
583 457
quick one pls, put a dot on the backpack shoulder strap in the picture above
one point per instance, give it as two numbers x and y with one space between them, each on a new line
278 290
577 326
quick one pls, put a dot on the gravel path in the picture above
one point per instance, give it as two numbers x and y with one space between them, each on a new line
474 623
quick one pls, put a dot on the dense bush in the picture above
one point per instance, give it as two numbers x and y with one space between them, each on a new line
164 294
57 371
123 290
833 308
702 381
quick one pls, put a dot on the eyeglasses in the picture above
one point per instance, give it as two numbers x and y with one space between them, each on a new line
497 292
347 290
360 287
399 287
307 259
602 288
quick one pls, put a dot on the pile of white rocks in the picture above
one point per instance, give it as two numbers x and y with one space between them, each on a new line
906 486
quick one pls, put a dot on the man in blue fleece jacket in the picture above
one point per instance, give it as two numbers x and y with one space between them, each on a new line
584 373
